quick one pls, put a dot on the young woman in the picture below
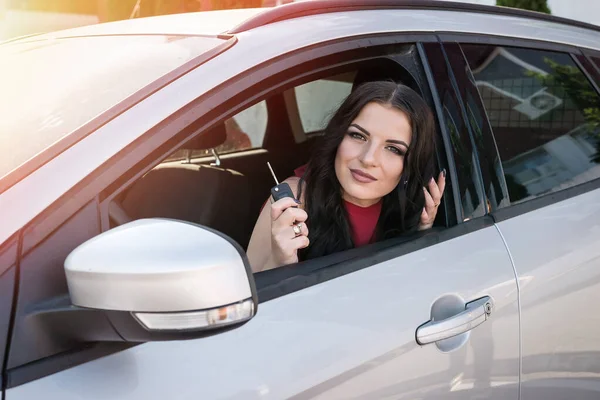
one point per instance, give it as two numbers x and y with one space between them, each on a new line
369 179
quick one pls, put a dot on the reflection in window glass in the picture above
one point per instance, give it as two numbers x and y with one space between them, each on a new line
318 100
545 115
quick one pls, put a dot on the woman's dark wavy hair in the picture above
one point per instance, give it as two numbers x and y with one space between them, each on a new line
401 209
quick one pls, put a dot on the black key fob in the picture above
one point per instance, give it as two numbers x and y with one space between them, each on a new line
282 190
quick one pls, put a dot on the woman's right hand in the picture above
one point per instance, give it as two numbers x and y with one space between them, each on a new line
285 242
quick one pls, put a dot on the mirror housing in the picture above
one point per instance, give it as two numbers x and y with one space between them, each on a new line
161 279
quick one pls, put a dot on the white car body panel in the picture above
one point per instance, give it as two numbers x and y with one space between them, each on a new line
556 252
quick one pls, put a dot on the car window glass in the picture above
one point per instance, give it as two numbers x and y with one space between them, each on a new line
317 100
51 88
545 115
245 130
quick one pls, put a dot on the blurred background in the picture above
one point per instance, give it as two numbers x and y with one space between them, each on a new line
24 17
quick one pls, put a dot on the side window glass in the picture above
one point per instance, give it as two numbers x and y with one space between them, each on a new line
545 115
245 130
318 100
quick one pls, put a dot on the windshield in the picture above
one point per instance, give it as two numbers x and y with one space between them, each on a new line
52 87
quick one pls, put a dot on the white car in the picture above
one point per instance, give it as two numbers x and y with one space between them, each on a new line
133 169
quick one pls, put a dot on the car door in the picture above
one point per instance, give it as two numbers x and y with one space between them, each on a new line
434 316
349 337
542 101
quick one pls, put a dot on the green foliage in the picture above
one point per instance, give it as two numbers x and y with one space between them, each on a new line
577 88
531 5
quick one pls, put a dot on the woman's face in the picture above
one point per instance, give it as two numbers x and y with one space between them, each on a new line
370 159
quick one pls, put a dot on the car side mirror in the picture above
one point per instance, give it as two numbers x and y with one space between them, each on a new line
161 279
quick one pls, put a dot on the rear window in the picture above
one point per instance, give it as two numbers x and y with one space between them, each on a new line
52 87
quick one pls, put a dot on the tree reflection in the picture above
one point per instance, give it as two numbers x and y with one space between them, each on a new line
575 87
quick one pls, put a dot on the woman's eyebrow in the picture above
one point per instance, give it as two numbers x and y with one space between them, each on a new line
366 132
360 128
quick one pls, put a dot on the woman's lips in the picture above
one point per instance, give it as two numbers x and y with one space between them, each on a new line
361 176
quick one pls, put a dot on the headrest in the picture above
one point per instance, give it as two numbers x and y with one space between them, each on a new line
386 70
210 139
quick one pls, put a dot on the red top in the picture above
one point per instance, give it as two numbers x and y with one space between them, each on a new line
363 220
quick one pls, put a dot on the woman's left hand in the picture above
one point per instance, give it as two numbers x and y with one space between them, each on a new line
433 197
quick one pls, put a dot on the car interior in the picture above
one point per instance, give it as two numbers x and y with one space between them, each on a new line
220 179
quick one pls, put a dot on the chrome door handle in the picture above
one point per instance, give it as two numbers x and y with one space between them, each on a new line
476 313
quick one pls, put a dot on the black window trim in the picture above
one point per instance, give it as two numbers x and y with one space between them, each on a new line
492 140
588 54
497 40
548 199
444 133
463 110
484 179
435 81
514 210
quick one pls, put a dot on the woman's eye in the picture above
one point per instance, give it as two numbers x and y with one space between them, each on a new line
396 150
356 135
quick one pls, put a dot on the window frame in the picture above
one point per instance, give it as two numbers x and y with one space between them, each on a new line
257 93
311 272
578 56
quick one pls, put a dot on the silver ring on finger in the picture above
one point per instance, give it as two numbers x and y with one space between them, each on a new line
297 229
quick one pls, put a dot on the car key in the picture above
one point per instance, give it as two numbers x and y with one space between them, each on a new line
280 190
